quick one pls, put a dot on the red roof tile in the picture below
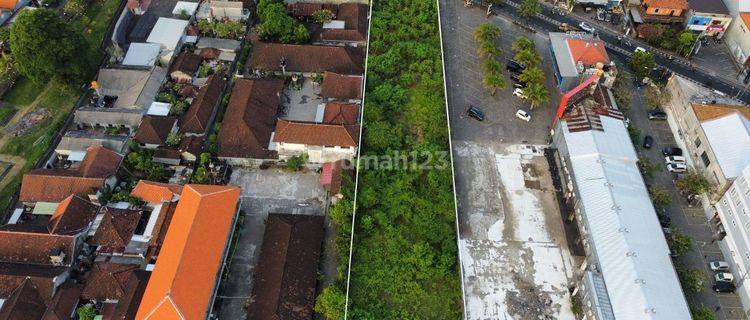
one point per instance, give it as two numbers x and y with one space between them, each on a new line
64 302
285 279
155 192
307 58
317 134
341 87
354 16
185 276
154 129
100 162
24 303
195 120
187 62
13 274
250 118
116 228
34 248
108 281
301 9
72 216
590 52
341 113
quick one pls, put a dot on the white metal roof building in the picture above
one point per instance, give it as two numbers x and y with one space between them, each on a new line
733 154
142 54
629 272
168 33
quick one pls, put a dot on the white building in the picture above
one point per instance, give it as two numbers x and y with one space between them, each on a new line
321 142
169 34
628 273
737 38
732 211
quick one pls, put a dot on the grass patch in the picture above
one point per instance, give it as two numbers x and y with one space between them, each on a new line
23 93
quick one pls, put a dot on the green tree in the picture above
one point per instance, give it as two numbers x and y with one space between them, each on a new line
693 183
323 16
200 175
8 72
330 303
277 25
124 196
641 63
659 197
492 66
532 75
296 163
537 94
486 32
46 47
173 139
529 8
685 41
86 312
528 57
702 313
494 81
522 43
489 50
656 98
635 135
692 280
647 167
74 8
679 242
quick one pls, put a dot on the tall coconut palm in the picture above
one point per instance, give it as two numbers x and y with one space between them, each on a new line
489 50
492 66
494 81
486 32
536 93
532 75
528 57
523 43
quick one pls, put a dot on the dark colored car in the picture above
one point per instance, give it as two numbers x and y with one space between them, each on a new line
726 287
475 113
657 115
671 151
514 66
515 77
648 141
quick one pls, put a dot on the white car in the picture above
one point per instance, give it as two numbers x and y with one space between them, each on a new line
724 277
639 49
523 115
519 93
677 167
675 159
586 27
718 266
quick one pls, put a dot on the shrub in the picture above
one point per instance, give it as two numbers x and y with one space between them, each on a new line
296 163
323 16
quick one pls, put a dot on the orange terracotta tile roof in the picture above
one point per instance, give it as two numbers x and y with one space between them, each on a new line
589 52
155 192
342 87
317 134
354 16
116 228
307 58
8 4
72 216
43 185
100 162
705 112
341 113
745 16
109 281
34 248
670 4
184 278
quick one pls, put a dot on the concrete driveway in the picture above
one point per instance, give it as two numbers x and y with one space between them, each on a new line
263 192
513 249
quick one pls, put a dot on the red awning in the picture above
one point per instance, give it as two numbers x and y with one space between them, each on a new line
327 176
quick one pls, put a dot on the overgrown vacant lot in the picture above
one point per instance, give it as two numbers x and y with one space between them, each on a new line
405 257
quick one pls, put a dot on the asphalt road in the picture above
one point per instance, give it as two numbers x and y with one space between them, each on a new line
548 21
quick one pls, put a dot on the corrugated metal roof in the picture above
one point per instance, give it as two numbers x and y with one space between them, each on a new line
624 232
731 154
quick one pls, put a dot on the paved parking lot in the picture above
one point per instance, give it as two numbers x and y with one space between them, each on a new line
263 192
691 220
514 255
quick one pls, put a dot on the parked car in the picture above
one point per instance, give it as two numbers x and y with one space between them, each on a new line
519 93
657 115
639 49
515 66
671 151
523 115
520 85
586 27
677 167
515 77
675 159
725 287
475 113
717 265
648 141
723 277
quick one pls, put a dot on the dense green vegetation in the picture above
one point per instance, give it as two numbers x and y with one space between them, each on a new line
404 263
533 76
277 26
486 35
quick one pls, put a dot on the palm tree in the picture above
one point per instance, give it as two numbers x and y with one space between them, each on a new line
536 93
489 50
532 75
529 8
523 43
493 81
486 32
527 57
492 66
